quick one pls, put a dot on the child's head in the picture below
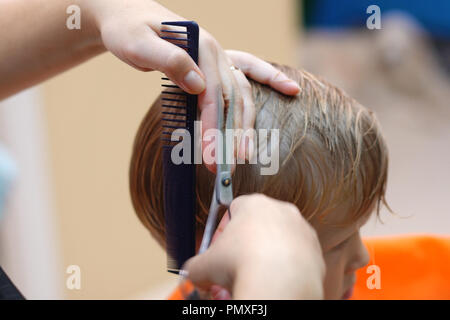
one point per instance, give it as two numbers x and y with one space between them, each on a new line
333 167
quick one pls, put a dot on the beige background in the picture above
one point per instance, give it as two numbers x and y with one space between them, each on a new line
92 114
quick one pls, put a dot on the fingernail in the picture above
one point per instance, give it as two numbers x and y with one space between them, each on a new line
184 273
223 295
219 293
294 86
194 82
290 85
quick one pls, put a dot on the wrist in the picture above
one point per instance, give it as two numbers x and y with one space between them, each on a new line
90 27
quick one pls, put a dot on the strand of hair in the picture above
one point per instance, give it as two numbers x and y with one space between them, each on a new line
172 127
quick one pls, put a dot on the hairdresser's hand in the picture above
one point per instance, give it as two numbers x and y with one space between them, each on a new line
130 30
266 251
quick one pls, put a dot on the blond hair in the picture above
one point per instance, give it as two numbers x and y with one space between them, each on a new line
331 152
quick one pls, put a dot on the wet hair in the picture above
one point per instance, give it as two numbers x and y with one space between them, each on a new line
331 152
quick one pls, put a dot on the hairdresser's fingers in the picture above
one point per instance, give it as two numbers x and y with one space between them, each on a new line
208 269
263 72
218 292
137 48
234 96
247 203
169 59
211 65
130 30
200 268
246 148
208 101
244 206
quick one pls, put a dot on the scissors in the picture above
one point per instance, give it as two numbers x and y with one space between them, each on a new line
223 191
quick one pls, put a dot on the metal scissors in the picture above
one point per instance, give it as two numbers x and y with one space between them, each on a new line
223 191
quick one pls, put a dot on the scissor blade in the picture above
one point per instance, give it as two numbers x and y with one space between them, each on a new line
225 120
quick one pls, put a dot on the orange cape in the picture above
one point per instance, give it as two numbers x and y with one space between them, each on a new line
400 267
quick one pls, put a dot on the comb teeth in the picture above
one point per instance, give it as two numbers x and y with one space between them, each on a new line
174 113
179 38
173 31
175 102
181 93
174 106
172 99
174 38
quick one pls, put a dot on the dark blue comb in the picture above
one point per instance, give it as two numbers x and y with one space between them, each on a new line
179 112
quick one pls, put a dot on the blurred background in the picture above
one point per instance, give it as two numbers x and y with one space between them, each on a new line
65 145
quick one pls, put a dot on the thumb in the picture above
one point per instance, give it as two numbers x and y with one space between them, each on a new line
152 52
205 270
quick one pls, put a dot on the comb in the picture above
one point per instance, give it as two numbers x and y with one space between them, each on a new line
179 111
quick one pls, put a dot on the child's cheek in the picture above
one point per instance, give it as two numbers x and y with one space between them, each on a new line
334 279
